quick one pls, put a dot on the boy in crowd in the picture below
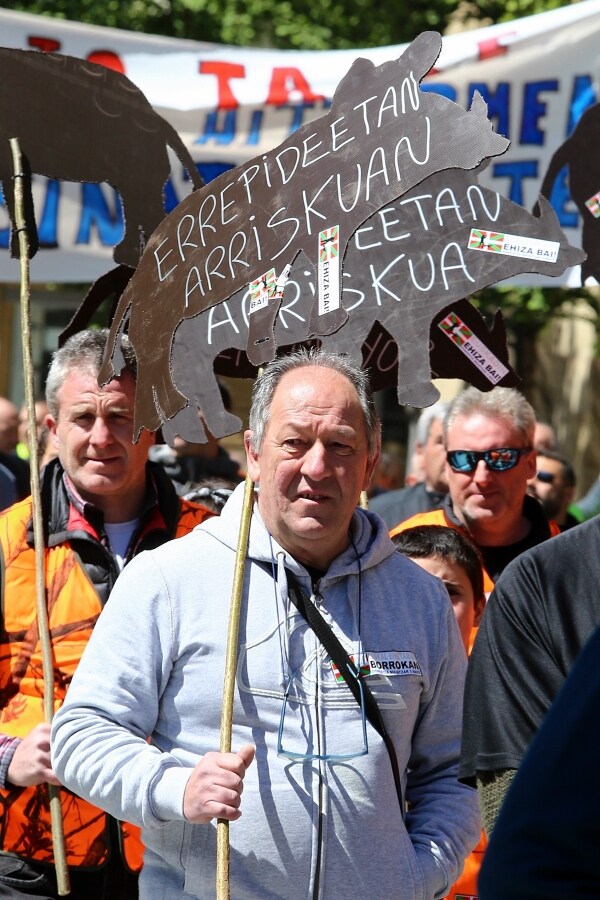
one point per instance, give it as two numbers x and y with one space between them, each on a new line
454 559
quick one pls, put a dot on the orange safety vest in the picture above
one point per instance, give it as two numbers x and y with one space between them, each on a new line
465 888
73 608
438 517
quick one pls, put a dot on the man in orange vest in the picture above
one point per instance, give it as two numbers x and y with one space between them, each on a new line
488 439
489 460
102 503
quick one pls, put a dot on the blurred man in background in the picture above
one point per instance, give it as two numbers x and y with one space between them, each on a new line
544 436
41 411
396 506
9 436
554 486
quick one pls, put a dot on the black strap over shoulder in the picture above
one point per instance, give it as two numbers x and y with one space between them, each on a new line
348 669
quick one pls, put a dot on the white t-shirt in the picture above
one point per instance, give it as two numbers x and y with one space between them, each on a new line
119 535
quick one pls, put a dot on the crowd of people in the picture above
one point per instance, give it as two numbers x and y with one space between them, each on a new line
397 665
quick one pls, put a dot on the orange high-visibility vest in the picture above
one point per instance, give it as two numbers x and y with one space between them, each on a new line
439 517
73 608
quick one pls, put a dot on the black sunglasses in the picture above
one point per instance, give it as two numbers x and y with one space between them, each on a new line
499 459
546 477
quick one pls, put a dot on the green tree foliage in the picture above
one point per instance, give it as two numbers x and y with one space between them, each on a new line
284 24
504 10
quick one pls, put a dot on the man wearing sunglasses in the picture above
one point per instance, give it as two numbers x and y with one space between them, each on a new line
489 461
554 486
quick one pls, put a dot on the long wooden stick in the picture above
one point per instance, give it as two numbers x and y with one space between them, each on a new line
223 886
223 882
58 840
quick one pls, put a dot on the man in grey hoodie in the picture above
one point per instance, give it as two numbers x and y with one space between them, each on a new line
321 812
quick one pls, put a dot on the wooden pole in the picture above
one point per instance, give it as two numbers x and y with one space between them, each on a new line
58 841
223 886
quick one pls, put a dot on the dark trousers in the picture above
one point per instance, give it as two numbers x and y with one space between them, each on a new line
20 880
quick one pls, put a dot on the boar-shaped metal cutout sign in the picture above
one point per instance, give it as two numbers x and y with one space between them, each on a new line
441 241
78 121
578 156
381 137
461 321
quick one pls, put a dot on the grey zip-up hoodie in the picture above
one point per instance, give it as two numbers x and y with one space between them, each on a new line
313 828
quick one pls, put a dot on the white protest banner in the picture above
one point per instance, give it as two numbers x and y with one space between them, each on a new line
538 75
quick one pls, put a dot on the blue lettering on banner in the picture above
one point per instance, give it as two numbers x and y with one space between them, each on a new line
582 97
516 171
533 110
207 171
297 110
219 127
437 87
48 225
255 126
170 197
4 232
212 170
96 214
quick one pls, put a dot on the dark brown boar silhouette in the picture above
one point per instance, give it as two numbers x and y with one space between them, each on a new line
407 269
578 154
78 121
195 368
427 267
381 137
380 350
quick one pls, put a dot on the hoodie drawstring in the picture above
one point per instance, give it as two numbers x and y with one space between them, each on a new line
280 587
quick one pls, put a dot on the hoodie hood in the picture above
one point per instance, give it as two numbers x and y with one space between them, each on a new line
369 542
